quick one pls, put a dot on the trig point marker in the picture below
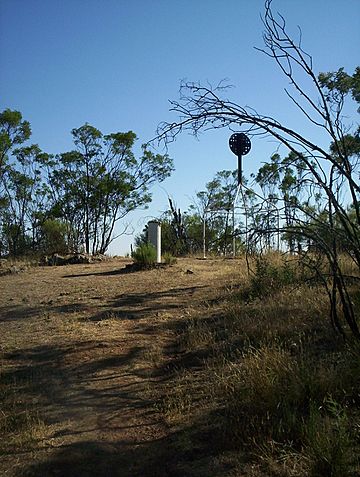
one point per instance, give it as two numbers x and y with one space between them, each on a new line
240 145
154 237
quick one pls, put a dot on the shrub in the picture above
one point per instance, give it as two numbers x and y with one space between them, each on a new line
270 277
145 255
54 237
169 259
328 441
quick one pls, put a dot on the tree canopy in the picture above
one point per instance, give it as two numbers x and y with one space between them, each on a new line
80 194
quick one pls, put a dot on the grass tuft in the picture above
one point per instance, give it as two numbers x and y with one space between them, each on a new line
20 423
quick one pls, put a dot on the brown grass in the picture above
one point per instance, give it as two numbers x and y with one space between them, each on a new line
274 378
184 371
83 348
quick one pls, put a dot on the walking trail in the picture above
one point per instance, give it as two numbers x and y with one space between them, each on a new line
89 347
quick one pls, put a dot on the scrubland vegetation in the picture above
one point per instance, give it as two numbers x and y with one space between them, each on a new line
268 380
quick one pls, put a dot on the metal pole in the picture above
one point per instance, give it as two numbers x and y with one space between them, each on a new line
239 169
246 228
204 235
246 217
234 241
234 205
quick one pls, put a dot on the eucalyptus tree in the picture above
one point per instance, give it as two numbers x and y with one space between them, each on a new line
279 210
182 232
268 179
208 218
99 182
214 206
13 132
19 179
25 199
330 175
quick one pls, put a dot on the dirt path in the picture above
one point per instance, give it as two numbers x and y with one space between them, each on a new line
86 346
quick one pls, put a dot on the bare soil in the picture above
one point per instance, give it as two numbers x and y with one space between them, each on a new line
88 347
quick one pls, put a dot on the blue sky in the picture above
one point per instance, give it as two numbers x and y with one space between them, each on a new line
116 63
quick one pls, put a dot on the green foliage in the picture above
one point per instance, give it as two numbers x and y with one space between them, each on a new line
171 243
145 255
328 443
13 131
183 233
89 189
16 183
271 276
101 181
54 237
169 259
338 84
15 240
316 216
215 205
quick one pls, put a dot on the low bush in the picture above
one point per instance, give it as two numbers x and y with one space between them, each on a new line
262 396
169 259
145 255
270 276
328 441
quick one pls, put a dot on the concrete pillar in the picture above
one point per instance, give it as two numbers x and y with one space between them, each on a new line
154 236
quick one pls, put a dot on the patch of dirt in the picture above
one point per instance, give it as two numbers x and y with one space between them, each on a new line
86 345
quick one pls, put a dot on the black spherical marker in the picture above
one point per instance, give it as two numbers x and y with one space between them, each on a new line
240 145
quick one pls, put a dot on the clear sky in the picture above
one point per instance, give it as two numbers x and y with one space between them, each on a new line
116 63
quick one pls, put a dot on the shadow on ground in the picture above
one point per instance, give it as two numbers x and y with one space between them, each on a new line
166 457
136 306
49 372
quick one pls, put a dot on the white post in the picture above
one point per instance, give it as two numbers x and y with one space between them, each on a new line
154 236
158 248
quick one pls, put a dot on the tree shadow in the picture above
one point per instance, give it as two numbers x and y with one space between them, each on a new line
183 453
129 268
17 312
57 376
44 374
109 273
102 378
135 306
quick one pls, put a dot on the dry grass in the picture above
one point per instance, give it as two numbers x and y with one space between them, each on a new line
21 427
196 370
83 348
274 377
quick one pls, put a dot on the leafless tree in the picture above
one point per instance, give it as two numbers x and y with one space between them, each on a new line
331 176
